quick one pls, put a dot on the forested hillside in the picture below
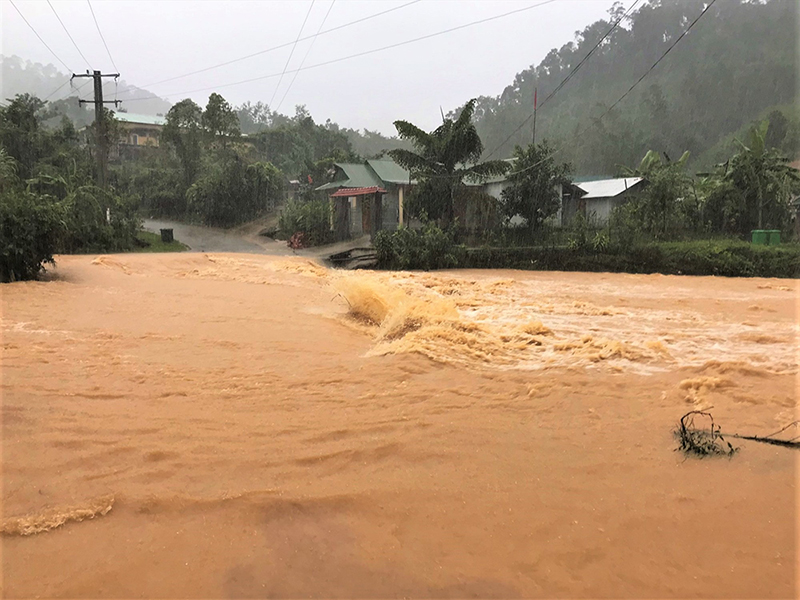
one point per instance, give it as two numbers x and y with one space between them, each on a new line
736 64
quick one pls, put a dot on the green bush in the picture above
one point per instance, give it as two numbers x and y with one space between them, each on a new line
29 233
730 258
427 248
311 218
97 220
232 192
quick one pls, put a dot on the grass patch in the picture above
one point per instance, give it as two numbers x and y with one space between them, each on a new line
151 242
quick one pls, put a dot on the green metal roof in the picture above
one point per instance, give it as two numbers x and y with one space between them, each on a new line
389 171
140 119
356 176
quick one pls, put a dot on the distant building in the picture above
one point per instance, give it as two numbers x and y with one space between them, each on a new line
593 198
370 196
599 198
140 130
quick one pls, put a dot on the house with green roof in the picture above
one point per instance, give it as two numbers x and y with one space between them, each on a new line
367 197
140 130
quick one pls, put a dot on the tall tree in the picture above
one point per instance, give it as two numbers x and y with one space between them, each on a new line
446 159
765 182
666 202
534 184
184 132
20 132
220 120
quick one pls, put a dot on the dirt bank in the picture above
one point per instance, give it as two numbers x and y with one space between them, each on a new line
245 426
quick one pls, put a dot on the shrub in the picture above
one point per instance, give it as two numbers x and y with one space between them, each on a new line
29 232
97 220
427 248
234 192
725 257
311 218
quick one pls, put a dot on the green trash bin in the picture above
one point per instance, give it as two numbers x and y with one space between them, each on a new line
759 236
773 237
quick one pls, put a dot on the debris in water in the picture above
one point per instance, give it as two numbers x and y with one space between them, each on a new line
705 442
702 442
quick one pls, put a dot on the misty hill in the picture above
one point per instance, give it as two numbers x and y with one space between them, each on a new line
734 66
48 82
20 76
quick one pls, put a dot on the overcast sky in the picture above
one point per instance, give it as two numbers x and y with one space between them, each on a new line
155 40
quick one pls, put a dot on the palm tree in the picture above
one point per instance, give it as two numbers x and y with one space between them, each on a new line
444 161
763 176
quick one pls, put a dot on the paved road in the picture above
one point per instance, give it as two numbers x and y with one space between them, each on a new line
211 239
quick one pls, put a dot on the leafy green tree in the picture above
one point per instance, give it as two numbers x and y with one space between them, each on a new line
21 133
253 117
103 139
764 184
445 159
662 208
220 120
184 133
534 182
29 231
232 192
8 170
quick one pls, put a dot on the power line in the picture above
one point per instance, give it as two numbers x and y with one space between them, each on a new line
260 52
358 54
585 129
302 62
286 66
67 32
566 79
102 37
72 89
53 93
40 37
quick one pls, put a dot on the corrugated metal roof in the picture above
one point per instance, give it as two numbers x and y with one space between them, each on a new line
607 188
355 176
389 171
348 192
359 175
140 119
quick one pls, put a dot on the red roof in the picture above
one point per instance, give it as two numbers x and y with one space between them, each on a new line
362 191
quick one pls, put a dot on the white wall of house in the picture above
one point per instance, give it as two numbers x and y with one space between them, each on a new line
599 209
495 190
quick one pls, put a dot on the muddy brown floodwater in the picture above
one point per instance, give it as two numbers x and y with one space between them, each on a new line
203 426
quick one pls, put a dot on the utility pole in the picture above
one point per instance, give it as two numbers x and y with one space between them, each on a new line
535 94
100 123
